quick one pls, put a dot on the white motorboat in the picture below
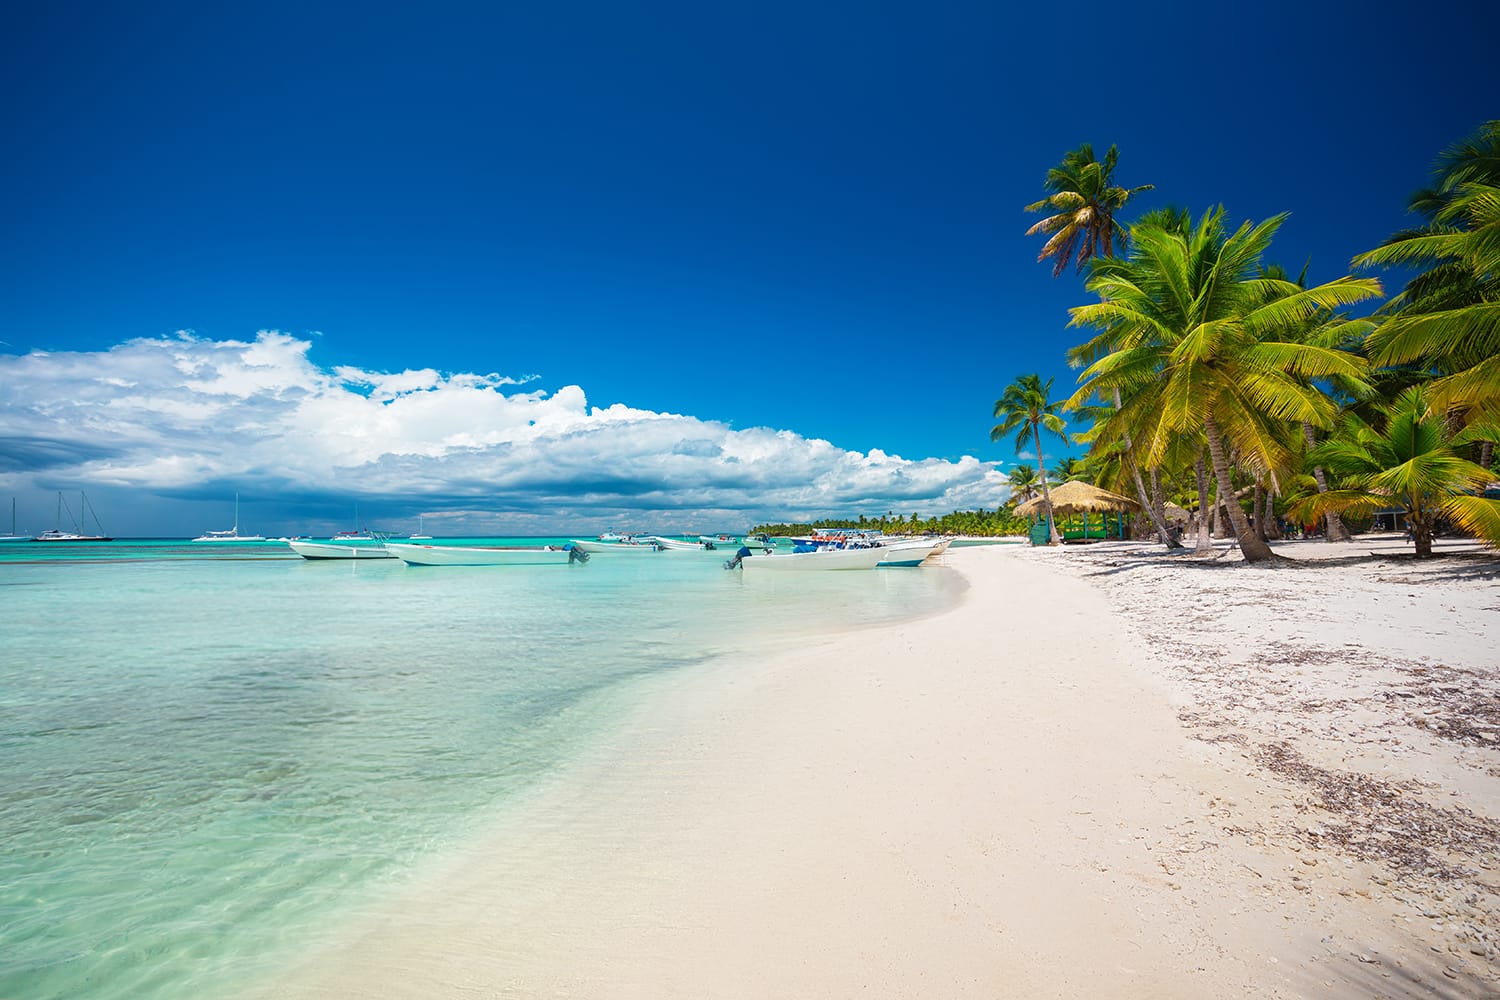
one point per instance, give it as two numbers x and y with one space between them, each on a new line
486 555
681 545
629 545
912 551
339 550
825 558
233 534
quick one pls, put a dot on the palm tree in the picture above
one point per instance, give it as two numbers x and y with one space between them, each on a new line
1068 469
1190 337
1447 319
1083 199
1327 329
1408 460
1024 483
1024 407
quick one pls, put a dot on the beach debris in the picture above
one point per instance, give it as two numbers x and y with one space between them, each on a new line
1387 821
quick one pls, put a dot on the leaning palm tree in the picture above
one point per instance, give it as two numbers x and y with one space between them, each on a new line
1408 460
1024 407
1083 199
1192 335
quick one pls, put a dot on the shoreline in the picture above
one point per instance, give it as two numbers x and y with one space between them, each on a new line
943 807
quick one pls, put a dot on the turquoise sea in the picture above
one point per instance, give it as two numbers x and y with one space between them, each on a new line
209 752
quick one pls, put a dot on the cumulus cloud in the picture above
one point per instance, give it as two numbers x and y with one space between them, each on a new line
188 417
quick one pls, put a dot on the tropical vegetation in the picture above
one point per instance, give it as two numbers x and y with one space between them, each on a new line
1083 199
1408 458
1213 382
1026 409
979 523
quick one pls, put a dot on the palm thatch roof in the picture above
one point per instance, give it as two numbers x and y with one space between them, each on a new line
1174 513
1078 497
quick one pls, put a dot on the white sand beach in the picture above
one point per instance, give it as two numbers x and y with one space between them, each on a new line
1107 773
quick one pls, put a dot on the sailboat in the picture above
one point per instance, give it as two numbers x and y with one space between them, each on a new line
359 533
13 537
84 509
233 534
420 534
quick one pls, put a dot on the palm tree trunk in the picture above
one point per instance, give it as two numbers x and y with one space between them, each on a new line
1486 453
1205 541
1157 521
1421 533
1257 506
1053 538
1334 528
1253 548
1273 523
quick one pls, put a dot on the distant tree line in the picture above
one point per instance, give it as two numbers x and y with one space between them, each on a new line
981 522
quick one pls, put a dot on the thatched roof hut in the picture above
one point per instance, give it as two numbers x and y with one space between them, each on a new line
1078 497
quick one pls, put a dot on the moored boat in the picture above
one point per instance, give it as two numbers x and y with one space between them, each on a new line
682 545
825 558
233 534
629 545
339 550
719 541
912 551
13 537
486 555
59 535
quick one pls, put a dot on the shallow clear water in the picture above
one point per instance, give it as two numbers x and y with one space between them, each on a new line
203 755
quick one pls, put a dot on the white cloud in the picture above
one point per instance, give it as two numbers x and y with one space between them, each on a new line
189 417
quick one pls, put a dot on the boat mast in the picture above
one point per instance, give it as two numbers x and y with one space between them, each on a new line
84 505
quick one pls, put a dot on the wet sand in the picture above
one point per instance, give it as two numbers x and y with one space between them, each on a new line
1106 773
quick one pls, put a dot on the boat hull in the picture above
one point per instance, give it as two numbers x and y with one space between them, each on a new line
335 550
678 545
480 555
594 548
911 553
822 560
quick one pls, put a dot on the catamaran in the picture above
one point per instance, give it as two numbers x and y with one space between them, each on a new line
59 535
233 534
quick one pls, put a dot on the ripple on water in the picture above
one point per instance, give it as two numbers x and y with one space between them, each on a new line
206 761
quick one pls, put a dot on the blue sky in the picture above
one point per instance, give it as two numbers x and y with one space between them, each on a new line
783 242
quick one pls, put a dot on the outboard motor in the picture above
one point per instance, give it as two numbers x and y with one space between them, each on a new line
739 557
576 555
